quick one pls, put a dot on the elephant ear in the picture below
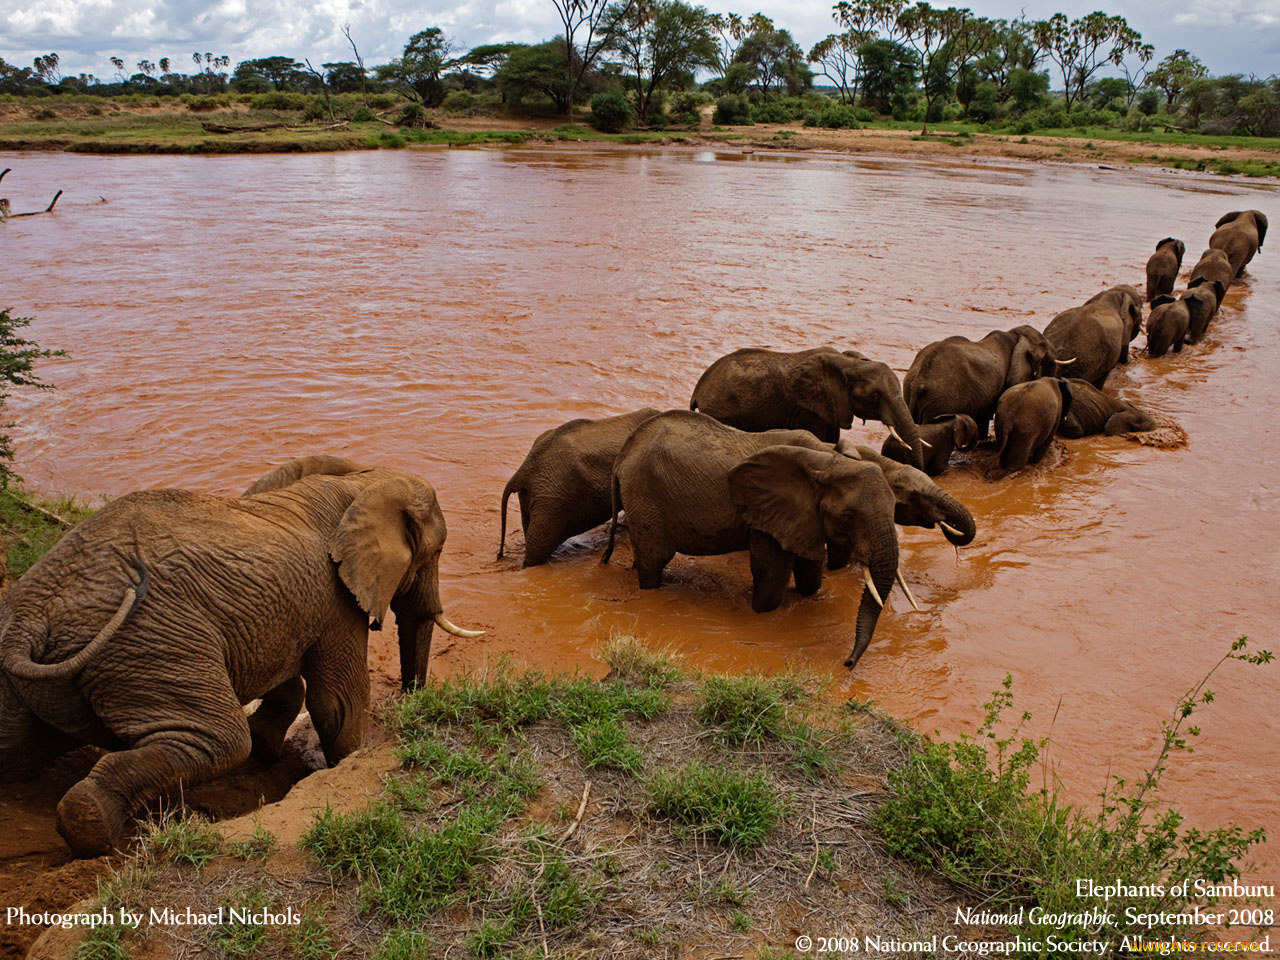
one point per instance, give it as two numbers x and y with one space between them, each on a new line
1064 388
375 544
778 493
1260 219
1022 363
1161 300
1228 217
1180 249
818 385
290 473
964 432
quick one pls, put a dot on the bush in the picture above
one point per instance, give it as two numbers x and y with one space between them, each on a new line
462 103
17 358
733 109
362 114
201 104
279 100
772 111
316 110
689 101
835 116
610 112
413 115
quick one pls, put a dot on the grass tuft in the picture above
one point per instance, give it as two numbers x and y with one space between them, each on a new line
183 840
736 809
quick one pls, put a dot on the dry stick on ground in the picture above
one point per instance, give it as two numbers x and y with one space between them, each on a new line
816 852
582 808
47 514
32 213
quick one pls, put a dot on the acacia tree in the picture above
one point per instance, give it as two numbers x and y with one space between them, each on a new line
1079 48
364 90
600 19
775 59
1135 75
733 28
840 61
657 40
945 41
1174 73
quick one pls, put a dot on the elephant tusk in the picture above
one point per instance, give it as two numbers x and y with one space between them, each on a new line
443 623
907 590
949 528
925 443
896 435
866 575
1063 363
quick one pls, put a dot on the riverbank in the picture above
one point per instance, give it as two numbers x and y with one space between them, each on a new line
133 128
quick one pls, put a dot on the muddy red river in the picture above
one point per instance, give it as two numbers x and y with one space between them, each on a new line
437 309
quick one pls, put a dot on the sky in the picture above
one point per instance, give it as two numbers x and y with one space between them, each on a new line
1229 36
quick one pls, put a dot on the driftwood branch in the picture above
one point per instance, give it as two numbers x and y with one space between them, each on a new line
254 127
47 514
582 808
32 213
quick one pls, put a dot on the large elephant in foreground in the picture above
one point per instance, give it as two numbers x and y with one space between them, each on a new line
819 390
1240 235
693 485
959 375
1097 333
151 623
563 483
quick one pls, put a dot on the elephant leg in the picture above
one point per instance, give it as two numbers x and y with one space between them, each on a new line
808 577
1038 453
771 568
651 552
838 554
211 736
338 694
40 745
543 533
270 722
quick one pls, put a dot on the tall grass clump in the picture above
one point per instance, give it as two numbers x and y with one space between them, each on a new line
967 809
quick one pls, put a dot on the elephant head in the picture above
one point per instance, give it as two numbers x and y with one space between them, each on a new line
964 431
840 386
1032 357
805 498
919 502
1177 247
387 548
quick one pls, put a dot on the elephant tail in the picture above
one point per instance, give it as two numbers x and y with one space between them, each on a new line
615 495
18 662
513 485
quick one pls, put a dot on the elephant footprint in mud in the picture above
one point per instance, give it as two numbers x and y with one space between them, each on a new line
149 625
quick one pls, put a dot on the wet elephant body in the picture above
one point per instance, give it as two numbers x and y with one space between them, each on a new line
1097 333
819 390
962 376
1213 268
1240 235
1163 267
563 483
956 431
1093 412
149 625
1027 417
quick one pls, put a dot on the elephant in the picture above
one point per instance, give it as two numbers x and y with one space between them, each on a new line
952 431
1240 235
1183 320
1213 267
819 390
959 375
1093 411
1027 417
152 622
693 485
1163 267
919 502
563 483
1097 333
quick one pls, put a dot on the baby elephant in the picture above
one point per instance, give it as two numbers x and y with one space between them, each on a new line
1181 320
1163 267
1093 411
563 484
1027 417
1213 267
953 431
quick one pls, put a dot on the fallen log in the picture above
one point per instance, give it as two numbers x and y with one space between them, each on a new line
32 213
246 128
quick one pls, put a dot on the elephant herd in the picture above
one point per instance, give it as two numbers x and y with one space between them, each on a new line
150 625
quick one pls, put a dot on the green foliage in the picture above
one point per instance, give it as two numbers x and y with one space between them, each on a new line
632 662
603 743
659 45
535 72
385 140
242 937
610 112
834 116
362 114
731 807
776 111
184 840
403 943
32 526
259 845
965 809
312 939
733 109
18 356
748 708
279 100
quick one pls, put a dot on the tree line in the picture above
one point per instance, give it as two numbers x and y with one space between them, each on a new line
640 60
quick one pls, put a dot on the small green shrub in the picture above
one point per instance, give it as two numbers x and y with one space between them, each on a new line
201 104
46 113
315 110
748 708
279 100
385 141
463 103
413 115
403 944
772 111
362 114
242 938
190 840
611 112
733 109
836 116
733 808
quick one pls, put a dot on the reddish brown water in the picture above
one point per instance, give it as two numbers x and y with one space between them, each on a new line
437 309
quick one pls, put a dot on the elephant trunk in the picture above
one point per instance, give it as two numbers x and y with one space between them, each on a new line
883 566
894 413
959 527
417 611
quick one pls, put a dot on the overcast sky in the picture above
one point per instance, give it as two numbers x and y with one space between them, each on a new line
1230 36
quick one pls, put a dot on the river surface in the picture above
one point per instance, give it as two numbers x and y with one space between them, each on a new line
437 309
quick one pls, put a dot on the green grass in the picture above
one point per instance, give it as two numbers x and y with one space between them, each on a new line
29 530
259 845
403 944
755 709
733 808
242 937
632 662
185 841
312 939
967 810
